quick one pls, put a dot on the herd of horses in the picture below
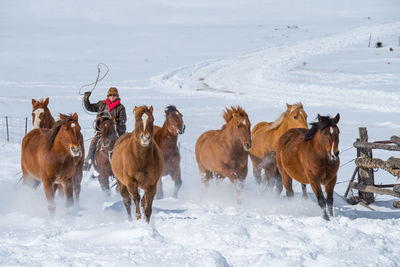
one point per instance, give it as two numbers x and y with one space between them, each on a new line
282 150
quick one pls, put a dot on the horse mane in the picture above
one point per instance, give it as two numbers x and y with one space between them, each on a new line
228 114
170 108
56 128
280 119
139 111
324 121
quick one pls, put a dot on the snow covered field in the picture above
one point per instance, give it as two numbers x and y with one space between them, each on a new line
202 56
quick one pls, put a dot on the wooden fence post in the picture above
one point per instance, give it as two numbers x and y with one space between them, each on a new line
365 175
8 136
26 125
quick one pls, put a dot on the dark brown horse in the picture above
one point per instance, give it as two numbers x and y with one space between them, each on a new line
102 163
166 138
311 157
41 116
137 161
55 157
265 136
224 153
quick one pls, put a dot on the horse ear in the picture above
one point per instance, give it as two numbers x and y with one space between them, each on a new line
337 118
288 106
75 116
300 105
319 117
46 101
33 102
235 115
151 109
62 117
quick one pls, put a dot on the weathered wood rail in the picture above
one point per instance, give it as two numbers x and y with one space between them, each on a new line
365 164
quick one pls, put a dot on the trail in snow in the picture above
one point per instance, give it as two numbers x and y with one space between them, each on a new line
266 75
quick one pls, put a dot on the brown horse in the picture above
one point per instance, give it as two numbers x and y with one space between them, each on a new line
55 157
265 136
311 157
41 116
138 162
224 153
166 138
102 163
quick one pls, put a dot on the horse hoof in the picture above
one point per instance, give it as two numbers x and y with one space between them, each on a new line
326 217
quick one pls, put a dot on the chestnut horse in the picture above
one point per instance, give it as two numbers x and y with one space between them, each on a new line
55 157
311 157
166 138
102 163
265 136
137 161
224 153
41 116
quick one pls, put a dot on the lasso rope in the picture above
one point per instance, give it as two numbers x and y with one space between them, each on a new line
93 83
97 78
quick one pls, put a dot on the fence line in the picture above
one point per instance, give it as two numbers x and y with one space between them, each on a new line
13 129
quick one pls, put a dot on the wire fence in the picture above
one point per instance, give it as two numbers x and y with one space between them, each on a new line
13 129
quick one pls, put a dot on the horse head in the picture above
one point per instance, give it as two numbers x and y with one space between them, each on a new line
108 130
39 112
69 134
329 135
331 132
144 121
174 120
296 116
240 125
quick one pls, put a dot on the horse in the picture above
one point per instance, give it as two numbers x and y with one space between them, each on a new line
41 116
102 163
311 157
166 138
55 157
137 161
265 136
224 153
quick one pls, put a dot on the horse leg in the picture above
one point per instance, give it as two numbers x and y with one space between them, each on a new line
287 183
123 190
69 193
329 195
256 169
76 181
49 192
206 175
304 189
104 183
278 182
316 187
176 177
160 192
149 194
270 171
134 192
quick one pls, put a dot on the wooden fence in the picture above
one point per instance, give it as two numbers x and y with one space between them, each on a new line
365 165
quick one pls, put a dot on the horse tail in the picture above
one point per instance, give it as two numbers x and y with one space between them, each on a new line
20 179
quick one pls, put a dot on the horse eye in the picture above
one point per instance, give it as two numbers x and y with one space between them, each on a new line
239 125
295 117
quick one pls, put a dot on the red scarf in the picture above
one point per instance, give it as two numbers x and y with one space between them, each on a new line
113 104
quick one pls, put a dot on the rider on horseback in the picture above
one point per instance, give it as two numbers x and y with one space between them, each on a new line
112 105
